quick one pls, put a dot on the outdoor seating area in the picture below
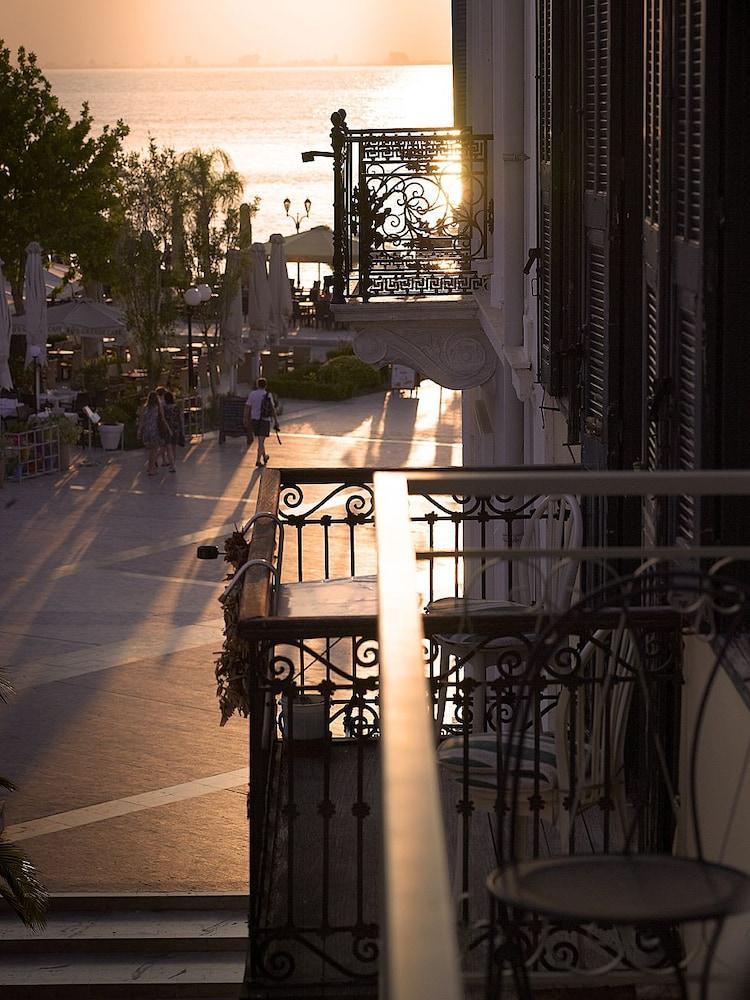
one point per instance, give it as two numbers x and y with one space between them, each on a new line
555 738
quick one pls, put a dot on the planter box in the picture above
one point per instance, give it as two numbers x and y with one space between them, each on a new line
309 724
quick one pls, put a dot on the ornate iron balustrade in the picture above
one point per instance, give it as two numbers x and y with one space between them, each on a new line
412 212
314 803
581 704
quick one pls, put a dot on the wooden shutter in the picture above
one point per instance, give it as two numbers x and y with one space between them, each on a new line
656 381
601 149
550 102
611 83
458 20
673 254
686 277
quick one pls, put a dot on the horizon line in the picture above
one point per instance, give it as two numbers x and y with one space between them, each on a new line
234 65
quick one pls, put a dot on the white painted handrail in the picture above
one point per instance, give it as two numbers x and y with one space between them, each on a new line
420 947
707 482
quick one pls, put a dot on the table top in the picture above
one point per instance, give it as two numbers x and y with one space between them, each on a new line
328 598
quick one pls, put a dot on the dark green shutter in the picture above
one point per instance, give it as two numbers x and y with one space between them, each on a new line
550 104
686 314
656 382
458 20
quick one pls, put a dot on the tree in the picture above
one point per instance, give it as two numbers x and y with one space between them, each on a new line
59 183
19 886
213 191
146 269
212 194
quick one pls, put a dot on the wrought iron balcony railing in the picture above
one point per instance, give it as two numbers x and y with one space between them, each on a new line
412 211
345 802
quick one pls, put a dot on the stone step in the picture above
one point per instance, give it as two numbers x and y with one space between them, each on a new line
134 975
84 930
140 946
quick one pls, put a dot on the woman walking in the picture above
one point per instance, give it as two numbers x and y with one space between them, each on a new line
153 430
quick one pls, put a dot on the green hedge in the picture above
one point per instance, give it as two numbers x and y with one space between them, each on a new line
341 377
289 387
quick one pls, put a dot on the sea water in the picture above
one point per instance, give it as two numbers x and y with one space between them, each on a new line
263 118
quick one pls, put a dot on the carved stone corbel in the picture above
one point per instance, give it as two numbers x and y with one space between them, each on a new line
443 341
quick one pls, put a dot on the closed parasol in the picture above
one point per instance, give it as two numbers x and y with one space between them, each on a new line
35 294
5 329
231 324
281 293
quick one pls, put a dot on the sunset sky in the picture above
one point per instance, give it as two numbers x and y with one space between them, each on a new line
228 32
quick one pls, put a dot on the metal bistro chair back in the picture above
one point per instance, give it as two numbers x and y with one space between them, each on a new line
545 583
562 773
595 888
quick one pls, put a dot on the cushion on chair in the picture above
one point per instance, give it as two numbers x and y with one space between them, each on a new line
483 759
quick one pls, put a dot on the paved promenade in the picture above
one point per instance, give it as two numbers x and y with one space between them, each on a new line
108 629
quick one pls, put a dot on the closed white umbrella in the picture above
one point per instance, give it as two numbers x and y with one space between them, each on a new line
259 291
281 292
231 327
6 382
35 293
258 306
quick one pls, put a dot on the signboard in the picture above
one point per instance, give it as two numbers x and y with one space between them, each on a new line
232 411
403 377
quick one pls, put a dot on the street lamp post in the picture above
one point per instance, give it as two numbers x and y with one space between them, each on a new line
297 219
193 297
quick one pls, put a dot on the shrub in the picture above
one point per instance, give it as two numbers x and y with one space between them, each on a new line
348 369
290 387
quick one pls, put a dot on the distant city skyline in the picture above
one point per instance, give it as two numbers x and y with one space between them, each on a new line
180 33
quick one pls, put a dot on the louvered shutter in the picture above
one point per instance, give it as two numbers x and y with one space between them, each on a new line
549 106
458 24
601 148
686 313
611 206
656 382
673 255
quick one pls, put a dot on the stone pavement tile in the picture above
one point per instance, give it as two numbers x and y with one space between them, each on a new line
119 732
19 645
91 659
198 844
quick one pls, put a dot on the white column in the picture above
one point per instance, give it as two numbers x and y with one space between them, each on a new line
507 289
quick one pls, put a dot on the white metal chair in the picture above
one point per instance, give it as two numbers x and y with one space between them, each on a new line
544 583
580 763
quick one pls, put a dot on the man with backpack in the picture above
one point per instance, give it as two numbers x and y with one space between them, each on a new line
259 412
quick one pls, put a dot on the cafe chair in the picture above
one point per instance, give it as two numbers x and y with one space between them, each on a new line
542 584
574 758
640 893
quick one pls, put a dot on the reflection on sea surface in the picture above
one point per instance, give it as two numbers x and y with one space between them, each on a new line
263 117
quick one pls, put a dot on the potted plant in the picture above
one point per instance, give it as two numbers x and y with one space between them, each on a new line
110 430
69 432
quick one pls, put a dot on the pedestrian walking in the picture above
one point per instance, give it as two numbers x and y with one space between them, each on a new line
163 456
173 417
153 430
260 412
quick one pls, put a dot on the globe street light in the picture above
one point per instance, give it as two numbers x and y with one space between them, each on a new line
297 219
193 298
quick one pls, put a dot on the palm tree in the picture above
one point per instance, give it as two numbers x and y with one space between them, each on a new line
212 187
19 886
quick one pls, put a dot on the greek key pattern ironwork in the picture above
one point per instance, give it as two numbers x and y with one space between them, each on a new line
417 200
